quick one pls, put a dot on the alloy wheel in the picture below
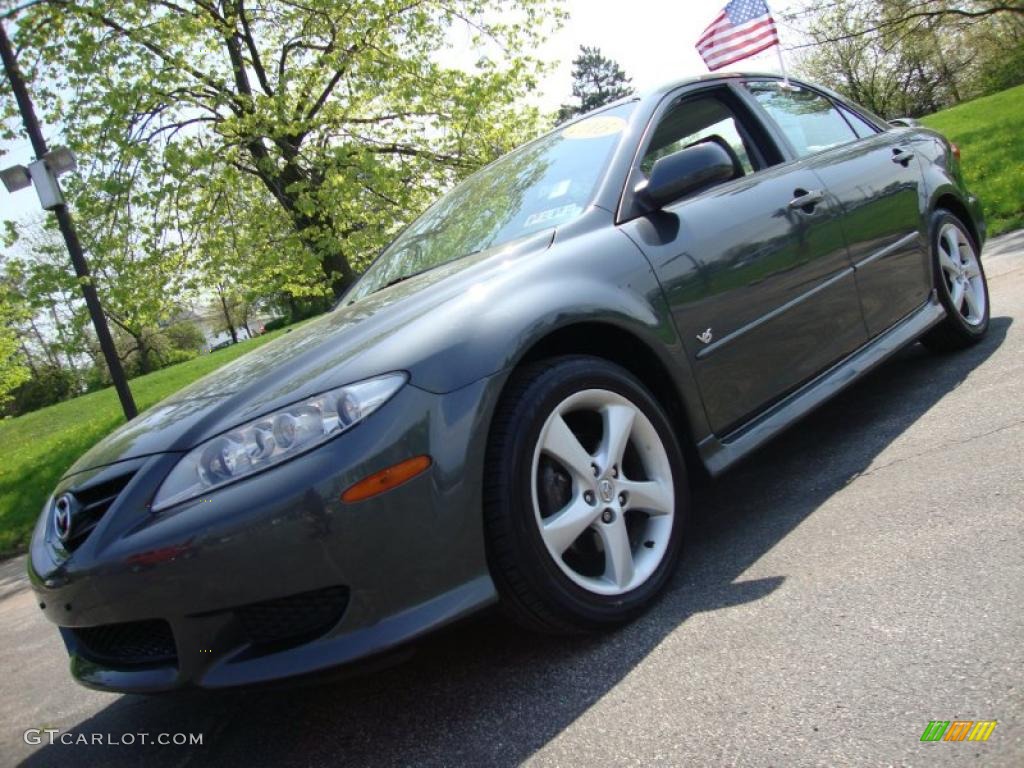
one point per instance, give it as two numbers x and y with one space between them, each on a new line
602 490
962 273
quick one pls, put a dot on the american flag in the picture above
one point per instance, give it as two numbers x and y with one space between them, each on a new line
743 28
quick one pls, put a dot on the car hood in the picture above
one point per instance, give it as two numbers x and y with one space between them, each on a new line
397 328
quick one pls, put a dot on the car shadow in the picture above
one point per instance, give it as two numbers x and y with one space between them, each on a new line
485 692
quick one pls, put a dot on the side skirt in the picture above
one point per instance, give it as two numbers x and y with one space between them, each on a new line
719 454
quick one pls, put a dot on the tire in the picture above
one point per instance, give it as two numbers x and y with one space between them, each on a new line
960 283
621 524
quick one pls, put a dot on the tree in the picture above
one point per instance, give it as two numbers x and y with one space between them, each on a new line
597 81
336 117
911 58
14 370
894 14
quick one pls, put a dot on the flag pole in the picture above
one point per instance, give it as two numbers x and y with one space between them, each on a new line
782 65
778 52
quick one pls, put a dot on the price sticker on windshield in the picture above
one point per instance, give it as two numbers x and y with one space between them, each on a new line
552 215
595 128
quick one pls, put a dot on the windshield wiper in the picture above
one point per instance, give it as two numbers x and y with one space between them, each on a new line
403 278
399 279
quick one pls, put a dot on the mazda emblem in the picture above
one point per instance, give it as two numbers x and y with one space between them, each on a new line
63 516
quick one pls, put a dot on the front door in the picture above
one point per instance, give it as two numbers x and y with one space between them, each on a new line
755 270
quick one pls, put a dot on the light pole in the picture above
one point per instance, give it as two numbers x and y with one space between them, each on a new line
43 174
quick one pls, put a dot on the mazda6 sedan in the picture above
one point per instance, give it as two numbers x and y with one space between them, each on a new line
507 406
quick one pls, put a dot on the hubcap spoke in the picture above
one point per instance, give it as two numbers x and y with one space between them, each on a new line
561 444
952 245
972 269
618 555
649 496
973 305
562 529
957 294
947 263
618 424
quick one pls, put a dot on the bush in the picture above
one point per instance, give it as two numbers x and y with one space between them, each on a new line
50 384
185 336
175 356
277 322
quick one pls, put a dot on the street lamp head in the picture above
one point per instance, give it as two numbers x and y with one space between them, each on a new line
16 177
60 160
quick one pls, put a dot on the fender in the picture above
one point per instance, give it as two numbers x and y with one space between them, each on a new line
942 180
497 326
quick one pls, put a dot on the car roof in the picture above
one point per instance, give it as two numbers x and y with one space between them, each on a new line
667 87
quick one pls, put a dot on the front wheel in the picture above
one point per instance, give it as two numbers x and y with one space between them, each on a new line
585 496
961 285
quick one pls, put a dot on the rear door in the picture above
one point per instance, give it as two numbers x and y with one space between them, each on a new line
755 270
875 177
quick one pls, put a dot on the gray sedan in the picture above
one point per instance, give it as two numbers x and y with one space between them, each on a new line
508 405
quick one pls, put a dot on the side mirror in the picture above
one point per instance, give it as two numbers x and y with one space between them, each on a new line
686 171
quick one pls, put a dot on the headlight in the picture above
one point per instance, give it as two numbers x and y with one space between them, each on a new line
276 437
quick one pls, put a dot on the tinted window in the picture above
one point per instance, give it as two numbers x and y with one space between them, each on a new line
543 184
810 121
860 126
693 121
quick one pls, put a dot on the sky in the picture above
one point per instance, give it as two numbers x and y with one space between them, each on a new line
653 41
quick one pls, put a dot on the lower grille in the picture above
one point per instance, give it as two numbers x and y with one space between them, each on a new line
292 620
134 643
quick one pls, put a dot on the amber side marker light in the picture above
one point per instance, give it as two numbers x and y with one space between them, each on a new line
956 150
386 479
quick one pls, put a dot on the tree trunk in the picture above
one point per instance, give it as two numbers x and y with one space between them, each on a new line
51 358
338 272
145 364
245 320
227 315
28 359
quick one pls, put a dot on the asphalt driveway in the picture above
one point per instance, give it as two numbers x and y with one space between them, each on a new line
856 579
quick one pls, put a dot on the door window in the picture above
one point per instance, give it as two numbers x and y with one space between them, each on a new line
711 115
809 120
694 121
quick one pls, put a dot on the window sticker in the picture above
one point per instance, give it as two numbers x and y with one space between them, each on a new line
559 189
552 215
595 127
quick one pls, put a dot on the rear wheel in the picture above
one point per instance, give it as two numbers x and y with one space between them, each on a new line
585 497
961 285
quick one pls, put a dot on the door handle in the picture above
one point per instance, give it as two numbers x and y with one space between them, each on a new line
902 156
805 200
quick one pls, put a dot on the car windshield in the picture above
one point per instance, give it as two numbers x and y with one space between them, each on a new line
540 185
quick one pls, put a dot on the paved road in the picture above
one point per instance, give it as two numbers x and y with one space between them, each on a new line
859 577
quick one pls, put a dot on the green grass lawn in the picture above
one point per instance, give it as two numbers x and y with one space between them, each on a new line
990 134
39 446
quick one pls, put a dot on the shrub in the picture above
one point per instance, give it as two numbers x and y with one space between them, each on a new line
50 384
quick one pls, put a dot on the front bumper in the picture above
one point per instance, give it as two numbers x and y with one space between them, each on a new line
395 566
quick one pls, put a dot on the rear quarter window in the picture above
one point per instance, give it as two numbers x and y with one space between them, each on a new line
861 127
